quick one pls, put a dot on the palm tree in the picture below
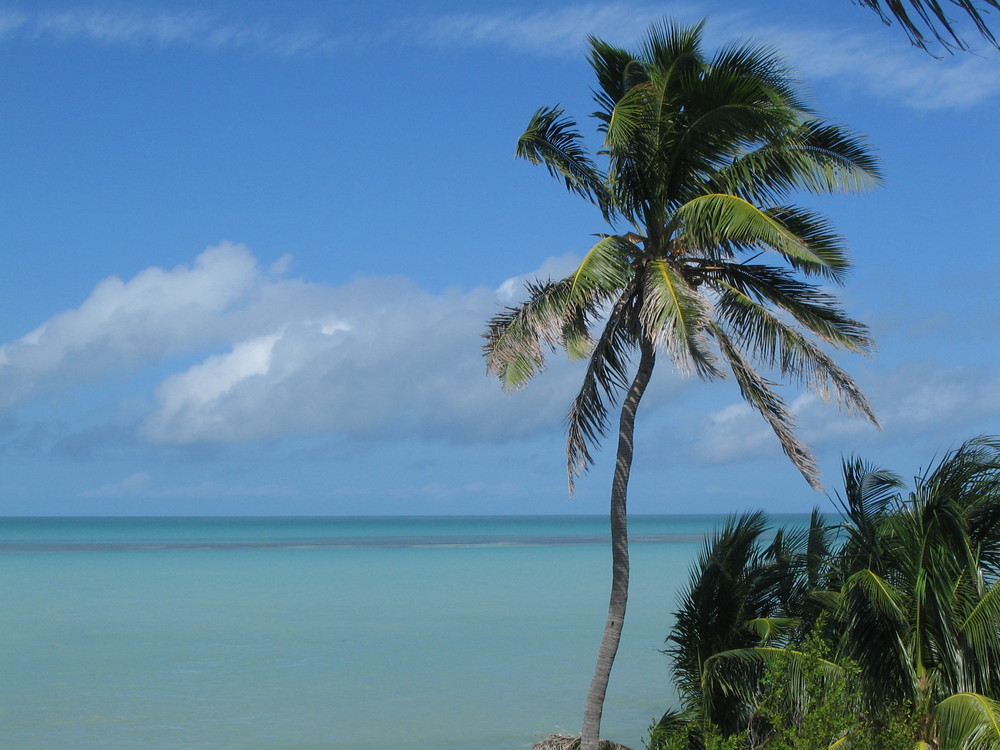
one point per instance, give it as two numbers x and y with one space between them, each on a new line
912 593
744 599
701 152
919 606
930 15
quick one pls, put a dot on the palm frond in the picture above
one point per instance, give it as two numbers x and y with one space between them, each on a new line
930 16
605 379
710 220
606 269
617 71
551 139
968 721
757 391
780 346
813 308
518 337
769 629
676 317
815 155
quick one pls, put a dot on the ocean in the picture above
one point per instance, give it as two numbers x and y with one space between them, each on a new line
309 633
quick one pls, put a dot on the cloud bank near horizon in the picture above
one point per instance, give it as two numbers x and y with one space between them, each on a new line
278 357
251 356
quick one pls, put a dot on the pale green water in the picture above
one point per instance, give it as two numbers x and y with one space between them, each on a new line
325 633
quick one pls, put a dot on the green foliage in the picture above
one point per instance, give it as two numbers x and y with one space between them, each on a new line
887 636
803 702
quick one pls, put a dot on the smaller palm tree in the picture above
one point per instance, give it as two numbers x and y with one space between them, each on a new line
911 592
919 605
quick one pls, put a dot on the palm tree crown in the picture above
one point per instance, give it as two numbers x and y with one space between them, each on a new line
699 155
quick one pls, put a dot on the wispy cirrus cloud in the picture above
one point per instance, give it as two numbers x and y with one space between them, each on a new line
554 31
859 60
851 55
136 27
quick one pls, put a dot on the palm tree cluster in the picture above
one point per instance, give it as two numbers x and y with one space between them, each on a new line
704 260
904 595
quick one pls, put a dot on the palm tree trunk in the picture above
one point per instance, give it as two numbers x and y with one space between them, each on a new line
594 707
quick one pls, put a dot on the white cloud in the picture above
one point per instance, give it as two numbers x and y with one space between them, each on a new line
125 324
859 60
378 357
146 26
553 31
864 62
388 360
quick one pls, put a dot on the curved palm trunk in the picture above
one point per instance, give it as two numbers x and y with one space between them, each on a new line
594 707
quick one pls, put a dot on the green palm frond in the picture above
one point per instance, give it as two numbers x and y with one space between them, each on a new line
968 721
676 318
552 139
758 393
870 495
780 346
606 269
877 592
605 379
813 308
672 50
815 155
714 219
617 71
769 629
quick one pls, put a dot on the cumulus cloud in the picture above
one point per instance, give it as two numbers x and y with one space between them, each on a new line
125 324
388 359
378 357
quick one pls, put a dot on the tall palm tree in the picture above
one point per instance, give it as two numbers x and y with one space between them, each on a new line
701 153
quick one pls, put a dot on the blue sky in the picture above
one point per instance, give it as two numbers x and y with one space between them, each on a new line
249 255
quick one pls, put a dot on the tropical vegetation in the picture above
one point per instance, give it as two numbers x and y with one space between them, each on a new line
889 621
705 262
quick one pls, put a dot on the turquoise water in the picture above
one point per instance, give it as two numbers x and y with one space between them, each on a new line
441 633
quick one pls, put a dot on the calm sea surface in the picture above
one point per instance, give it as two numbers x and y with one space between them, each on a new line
353 633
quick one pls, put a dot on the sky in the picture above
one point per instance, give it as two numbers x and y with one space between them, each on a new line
250 249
